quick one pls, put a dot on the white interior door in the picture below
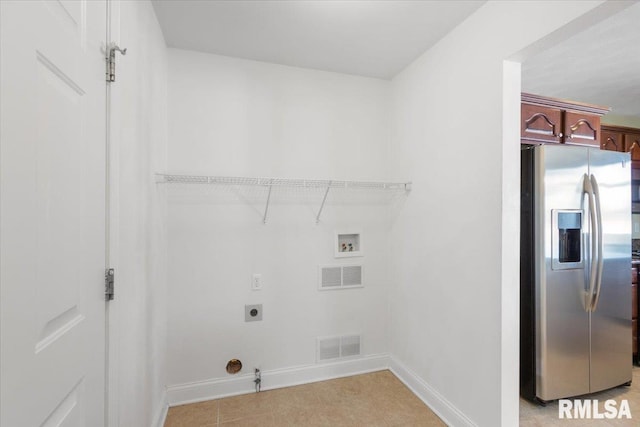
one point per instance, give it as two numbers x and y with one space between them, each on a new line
52 212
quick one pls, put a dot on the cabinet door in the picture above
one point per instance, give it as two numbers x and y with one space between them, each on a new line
632 145
540 124
611 140
583 129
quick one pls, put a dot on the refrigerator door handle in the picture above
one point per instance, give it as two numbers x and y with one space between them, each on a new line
600 257
588 190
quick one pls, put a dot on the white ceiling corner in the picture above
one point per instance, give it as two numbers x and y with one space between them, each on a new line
600 65
368 38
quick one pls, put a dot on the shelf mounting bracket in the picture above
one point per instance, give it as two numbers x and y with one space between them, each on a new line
324 199
266 208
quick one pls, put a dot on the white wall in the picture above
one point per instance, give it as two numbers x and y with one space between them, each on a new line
236 117
453 319
615 120
454 312
139 134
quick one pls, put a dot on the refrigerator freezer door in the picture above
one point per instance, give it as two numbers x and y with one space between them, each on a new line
611 320
562 340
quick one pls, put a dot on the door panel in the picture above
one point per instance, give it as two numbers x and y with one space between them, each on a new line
611 140
611 340
540 124
52 213
632 145
581 129
563 323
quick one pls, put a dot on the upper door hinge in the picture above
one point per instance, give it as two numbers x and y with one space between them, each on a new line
111 61
109 279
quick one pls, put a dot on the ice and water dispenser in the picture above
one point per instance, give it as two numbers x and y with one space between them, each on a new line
567 239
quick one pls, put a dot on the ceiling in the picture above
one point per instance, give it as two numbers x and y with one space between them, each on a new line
600 66
366 38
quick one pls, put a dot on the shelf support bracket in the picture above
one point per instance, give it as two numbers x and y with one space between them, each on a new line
324 199
266 208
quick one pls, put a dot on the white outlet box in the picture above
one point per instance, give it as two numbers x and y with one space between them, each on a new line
256 282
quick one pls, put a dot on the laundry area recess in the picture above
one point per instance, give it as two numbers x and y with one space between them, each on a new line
317 212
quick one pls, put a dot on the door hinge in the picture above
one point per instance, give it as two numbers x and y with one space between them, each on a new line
111 61
109 279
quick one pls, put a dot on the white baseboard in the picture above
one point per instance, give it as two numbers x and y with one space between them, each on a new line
277 378
161 417
451 415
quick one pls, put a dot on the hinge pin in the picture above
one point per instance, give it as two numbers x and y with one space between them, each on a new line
109 279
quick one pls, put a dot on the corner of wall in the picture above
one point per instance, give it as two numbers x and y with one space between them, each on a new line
138 218
161 414
430 396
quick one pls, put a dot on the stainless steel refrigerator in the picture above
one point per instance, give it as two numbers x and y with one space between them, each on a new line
575 284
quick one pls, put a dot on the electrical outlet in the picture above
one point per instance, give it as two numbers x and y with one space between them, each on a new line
256 282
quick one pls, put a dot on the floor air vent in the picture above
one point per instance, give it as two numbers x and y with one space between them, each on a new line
340 277
333 348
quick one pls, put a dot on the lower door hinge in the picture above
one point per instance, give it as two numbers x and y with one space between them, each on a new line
109 278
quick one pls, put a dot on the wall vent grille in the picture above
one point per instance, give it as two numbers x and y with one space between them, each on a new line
331 277
340 277
340 347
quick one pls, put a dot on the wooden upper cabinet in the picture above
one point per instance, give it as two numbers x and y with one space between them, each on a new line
632 144
611 140
549 120
624 139
540 123
583 129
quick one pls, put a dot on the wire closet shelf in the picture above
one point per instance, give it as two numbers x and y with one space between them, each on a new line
283 182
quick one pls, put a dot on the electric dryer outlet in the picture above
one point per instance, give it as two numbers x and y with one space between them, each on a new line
252 313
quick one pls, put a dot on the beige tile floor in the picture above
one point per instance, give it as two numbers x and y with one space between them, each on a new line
532 415
371 400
